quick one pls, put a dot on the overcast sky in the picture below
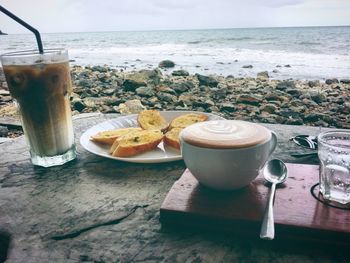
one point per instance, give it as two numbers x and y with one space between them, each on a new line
114 15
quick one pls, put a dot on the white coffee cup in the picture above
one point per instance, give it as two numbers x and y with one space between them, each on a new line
226 154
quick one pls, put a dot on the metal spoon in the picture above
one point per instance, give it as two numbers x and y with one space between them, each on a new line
275 171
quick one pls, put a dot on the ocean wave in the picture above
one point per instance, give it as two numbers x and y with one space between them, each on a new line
308 43
239 38
220 40
77 39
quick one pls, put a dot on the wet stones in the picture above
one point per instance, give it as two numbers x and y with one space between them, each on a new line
207 80
166 64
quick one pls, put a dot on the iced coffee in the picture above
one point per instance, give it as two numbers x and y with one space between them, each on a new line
41 86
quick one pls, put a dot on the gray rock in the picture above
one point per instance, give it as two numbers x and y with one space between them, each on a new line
86 83
331 81
275 71
290 113
3 131
270 108
166 89
230 77
141 78
166 97
151 75
283 85
145 91
287 66
294 121
227 107
247 66
102 76
99 68
313 117
132 85
90 102
109 91
209 103
186 99
309 102
220 93
294 92
317 97
180 72
313 83
78 104
264 75
321 123
345 81
181 87
166 64
250 99
207 80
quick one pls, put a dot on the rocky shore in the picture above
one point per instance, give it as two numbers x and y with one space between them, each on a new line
259 99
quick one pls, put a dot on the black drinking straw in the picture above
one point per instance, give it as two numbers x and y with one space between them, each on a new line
29 27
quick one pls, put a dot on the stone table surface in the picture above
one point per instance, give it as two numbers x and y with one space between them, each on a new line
99 210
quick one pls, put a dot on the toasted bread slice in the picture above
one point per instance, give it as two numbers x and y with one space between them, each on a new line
138 142
152 120
114 145
108 137
187 119
171 138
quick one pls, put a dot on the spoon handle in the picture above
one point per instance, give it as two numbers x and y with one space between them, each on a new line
268 225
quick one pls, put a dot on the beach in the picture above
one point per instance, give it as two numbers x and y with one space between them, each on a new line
309 53
291 75
260 99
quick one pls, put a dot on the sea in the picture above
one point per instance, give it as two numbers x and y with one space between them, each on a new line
286 53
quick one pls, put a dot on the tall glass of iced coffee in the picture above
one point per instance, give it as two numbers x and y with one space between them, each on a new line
41 86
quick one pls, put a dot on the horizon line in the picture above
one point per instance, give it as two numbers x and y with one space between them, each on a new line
192 29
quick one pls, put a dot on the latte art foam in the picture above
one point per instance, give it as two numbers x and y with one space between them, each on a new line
219 128
225 134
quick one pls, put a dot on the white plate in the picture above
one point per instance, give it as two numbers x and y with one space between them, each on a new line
161 154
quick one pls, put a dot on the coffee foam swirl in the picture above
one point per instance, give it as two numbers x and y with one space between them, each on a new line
225 134
218 128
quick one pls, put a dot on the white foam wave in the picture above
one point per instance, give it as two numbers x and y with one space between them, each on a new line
303 65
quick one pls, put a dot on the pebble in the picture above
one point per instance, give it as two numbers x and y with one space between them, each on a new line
3 131
166 64
262 99
207 80
345 81
181 87
264 76
180 72
250 99
331 81
145 91
283 85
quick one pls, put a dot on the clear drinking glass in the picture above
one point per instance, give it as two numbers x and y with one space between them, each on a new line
334 155
41 85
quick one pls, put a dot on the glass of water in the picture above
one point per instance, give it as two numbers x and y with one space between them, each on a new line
334 155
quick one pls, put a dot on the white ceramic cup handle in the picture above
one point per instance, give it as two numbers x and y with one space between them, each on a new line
273 144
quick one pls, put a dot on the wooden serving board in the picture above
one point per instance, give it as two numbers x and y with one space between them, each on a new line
298 215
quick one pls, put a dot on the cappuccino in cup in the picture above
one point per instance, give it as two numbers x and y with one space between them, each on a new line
226 154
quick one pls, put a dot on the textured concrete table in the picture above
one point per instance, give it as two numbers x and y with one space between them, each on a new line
100 210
